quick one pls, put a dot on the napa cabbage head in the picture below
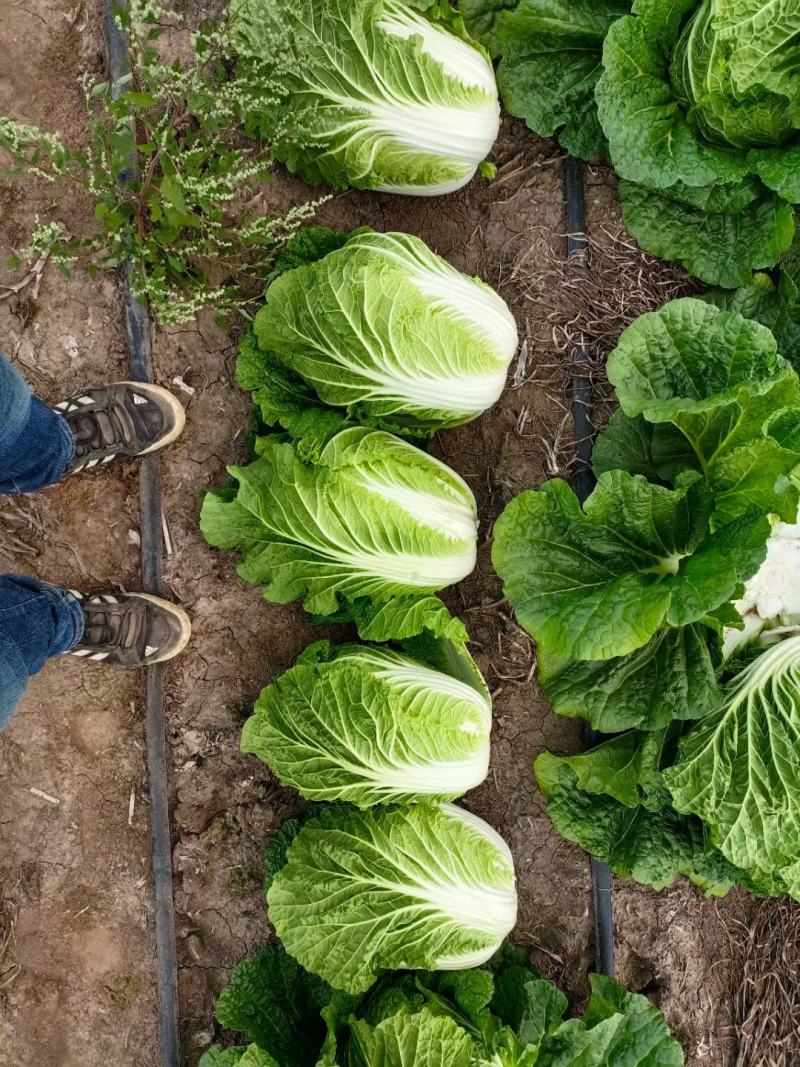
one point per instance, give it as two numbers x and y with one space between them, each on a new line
373 517
423 886
371 725
389 331
700 102
696 103
368 93
735 74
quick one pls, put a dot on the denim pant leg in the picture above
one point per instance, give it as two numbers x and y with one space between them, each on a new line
36 443
37 621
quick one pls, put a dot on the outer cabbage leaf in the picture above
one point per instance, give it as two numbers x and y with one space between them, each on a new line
552 52
403 619
719 247
739 770
775 306
779 170
418 1040
307 246
370 93
600 582
631 1031
250 1056
257 1057
482 18
717 378
279 1006
673 676
532 1007
658 452
374 517
423 886
217 1056
285 400
372 726
613 803
387 330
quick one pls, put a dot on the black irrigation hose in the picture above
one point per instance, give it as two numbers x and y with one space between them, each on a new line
577 250
137 322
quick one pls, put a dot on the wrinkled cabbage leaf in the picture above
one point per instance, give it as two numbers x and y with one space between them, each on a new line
718 379
600 581
739 770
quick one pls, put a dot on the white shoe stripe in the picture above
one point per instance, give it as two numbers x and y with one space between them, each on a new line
100 655
110 599
73 407
92 462
139 399
62 405
109 458
82 652
150 650
85 400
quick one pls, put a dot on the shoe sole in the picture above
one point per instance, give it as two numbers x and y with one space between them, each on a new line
172 403
185 623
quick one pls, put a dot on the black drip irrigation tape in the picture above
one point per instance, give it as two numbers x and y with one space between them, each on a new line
577 250
137 322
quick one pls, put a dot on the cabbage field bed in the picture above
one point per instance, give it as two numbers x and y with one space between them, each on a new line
76 926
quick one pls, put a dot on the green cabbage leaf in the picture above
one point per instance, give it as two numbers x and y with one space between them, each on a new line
739 770
718 379
598 582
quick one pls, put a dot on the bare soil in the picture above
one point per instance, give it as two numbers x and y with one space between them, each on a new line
76 978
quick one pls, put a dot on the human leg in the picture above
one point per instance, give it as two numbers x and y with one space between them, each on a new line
38 621
37 445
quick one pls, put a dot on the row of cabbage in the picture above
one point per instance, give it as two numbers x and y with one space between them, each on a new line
372 333
391 902
666 609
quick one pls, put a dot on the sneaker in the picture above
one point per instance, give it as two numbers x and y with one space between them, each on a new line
124 419
131 629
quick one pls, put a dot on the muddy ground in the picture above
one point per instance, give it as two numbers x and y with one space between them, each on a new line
76 976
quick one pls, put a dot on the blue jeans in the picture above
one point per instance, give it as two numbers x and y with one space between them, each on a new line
36 620
36 443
